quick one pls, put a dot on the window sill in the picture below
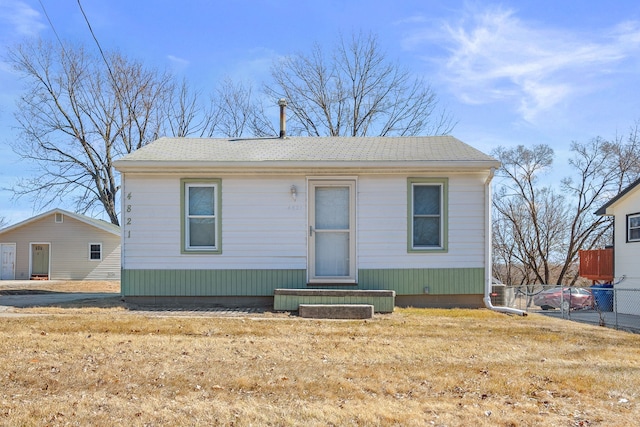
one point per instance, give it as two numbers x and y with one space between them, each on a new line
327 284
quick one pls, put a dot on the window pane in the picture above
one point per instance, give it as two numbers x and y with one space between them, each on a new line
426 232
633 227
94 252
202 232
332 208
201 200
426 200
332 254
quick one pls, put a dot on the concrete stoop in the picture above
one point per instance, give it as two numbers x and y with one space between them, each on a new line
383 301
336 311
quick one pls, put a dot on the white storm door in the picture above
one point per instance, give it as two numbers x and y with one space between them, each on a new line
332 231
8 261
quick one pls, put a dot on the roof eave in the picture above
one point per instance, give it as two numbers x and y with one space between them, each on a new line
164 166
605 211
109 228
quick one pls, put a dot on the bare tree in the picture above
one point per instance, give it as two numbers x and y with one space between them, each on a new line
538 232
78 115
526 215
356 91
233 112
81 111
237 112
184 115
625 151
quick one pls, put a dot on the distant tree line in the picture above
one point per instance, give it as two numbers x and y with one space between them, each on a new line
82 110
539 228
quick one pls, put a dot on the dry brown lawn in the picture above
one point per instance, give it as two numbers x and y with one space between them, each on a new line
62 286
415 367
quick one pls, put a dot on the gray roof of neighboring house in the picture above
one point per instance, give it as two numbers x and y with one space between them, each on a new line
603 209
300 151
98 223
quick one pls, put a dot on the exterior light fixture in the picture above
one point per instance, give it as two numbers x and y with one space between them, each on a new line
294 192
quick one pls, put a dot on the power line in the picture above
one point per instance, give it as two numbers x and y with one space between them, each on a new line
52 27
98 44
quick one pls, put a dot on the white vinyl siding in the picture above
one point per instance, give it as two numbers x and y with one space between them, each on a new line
626 253
383 224
264 228
69 249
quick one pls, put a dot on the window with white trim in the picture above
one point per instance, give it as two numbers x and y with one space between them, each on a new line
427 214
633 228
201 217
95 251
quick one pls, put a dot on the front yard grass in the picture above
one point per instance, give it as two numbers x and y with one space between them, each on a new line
414 367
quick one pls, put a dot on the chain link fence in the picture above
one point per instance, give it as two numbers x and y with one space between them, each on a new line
605 305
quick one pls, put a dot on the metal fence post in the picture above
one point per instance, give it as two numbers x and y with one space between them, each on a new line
615 306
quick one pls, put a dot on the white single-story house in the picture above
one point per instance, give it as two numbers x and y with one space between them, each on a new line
229 221
60 245
625 209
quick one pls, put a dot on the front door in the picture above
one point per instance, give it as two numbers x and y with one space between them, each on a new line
332 240
8 261
40 259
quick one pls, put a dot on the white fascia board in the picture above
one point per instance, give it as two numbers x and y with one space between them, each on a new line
190 166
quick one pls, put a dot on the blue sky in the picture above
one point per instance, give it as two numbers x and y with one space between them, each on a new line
513 72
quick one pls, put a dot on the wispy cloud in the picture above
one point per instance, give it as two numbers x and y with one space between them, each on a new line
178 61
492 55
21 18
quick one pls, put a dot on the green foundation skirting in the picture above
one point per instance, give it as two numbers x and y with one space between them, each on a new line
193 283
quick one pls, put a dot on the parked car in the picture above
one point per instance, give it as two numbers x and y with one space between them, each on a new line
565 298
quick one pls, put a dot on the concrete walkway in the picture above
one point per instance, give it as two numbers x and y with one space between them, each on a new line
47 298
11 298
35 293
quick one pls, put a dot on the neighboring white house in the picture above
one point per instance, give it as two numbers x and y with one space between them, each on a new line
60 245
231 220
625 209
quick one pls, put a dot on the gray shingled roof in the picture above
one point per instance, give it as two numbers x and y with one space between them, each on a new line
302 150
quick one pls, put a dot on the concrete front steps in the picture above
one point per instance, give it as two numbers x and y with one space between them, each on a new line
336 311
334 303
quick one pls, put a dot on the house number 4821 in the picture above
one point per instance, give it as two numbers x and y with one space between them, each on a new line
128 211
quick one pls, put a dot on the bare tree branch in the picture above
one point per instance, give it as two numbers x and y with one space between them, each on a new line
76 118
355 92
538 232
237 112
